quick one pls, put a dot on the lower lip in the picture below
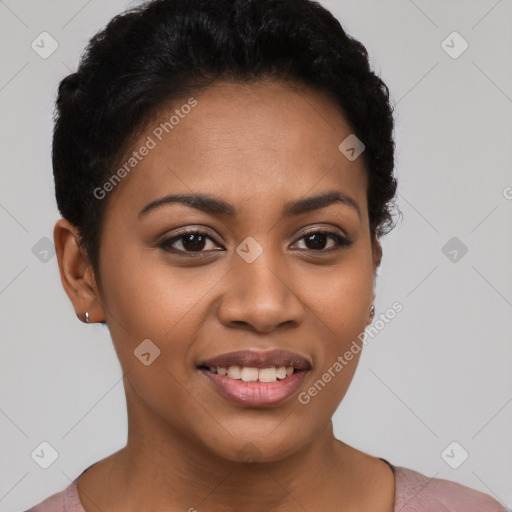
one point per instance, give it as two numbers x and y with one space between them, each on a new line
256 394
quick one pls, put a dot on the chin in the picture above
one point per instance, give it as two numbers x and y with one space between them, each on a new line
256 448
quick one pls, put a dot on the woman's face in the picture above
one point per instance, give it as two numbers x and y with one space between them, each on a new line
254 278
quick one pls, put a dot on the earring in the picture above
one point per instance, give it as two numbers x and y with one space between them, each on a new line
372 310
87 317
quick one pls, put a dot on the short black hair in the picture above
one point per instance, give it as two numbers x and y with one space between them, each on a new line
154 53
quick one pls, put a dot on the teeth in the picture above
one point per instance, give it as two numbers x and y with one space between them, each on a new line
249 374
281 372
235 372
267 374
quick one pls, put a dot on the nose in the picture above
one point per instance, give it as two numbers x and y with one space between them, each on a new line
260 297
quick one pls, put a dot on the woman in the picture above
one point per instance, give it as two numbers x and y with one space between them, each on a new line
224 170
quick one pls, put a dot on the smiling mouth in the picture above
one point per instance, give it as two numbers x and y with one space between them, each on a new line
253 378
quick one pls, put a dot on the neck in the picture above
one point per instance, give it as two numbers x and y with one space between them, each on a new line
162 468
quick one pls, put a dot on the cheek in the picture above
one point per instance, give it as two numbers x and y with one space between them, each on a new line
341 314
147 299
340 302
145 295
340 296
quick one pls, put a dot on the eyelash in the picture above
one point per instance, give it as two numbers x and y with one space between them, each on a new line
341 242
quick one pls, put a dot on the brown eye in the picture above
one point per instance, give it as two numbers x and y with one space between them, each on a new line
189 242
316 241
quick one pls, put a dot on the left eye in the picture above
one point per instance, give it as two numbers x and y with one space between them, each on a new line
318 238
195 241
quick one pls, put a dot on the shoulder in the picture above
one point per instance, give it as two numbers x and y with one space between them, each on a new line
416 492
64 501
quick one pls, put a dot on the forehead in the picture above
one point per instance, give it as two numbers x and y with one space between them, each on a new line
268 140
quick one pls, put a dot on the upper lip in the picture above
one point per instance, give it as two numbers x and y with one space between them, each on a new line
257 359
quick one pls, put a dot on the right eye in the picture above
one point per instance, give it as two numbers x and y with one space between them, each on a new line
192 243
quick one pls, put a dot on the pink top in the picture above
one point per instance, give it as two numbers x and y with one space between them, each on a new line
414 492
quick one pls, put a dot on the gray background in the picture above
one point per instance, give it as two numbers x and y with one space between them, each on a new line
438 373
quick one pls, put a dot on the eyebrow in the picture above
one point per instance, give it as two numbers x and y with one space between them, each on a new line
216 206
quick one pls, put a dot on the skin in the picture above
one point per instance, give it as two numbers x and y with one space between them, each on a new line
256 146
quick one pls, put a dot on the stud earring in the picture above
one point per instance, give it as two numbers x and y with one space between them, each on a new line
87 317
372 311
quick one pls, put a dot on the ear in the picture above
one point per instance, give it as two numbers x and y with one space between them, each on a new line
76 273
377 258
377 254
